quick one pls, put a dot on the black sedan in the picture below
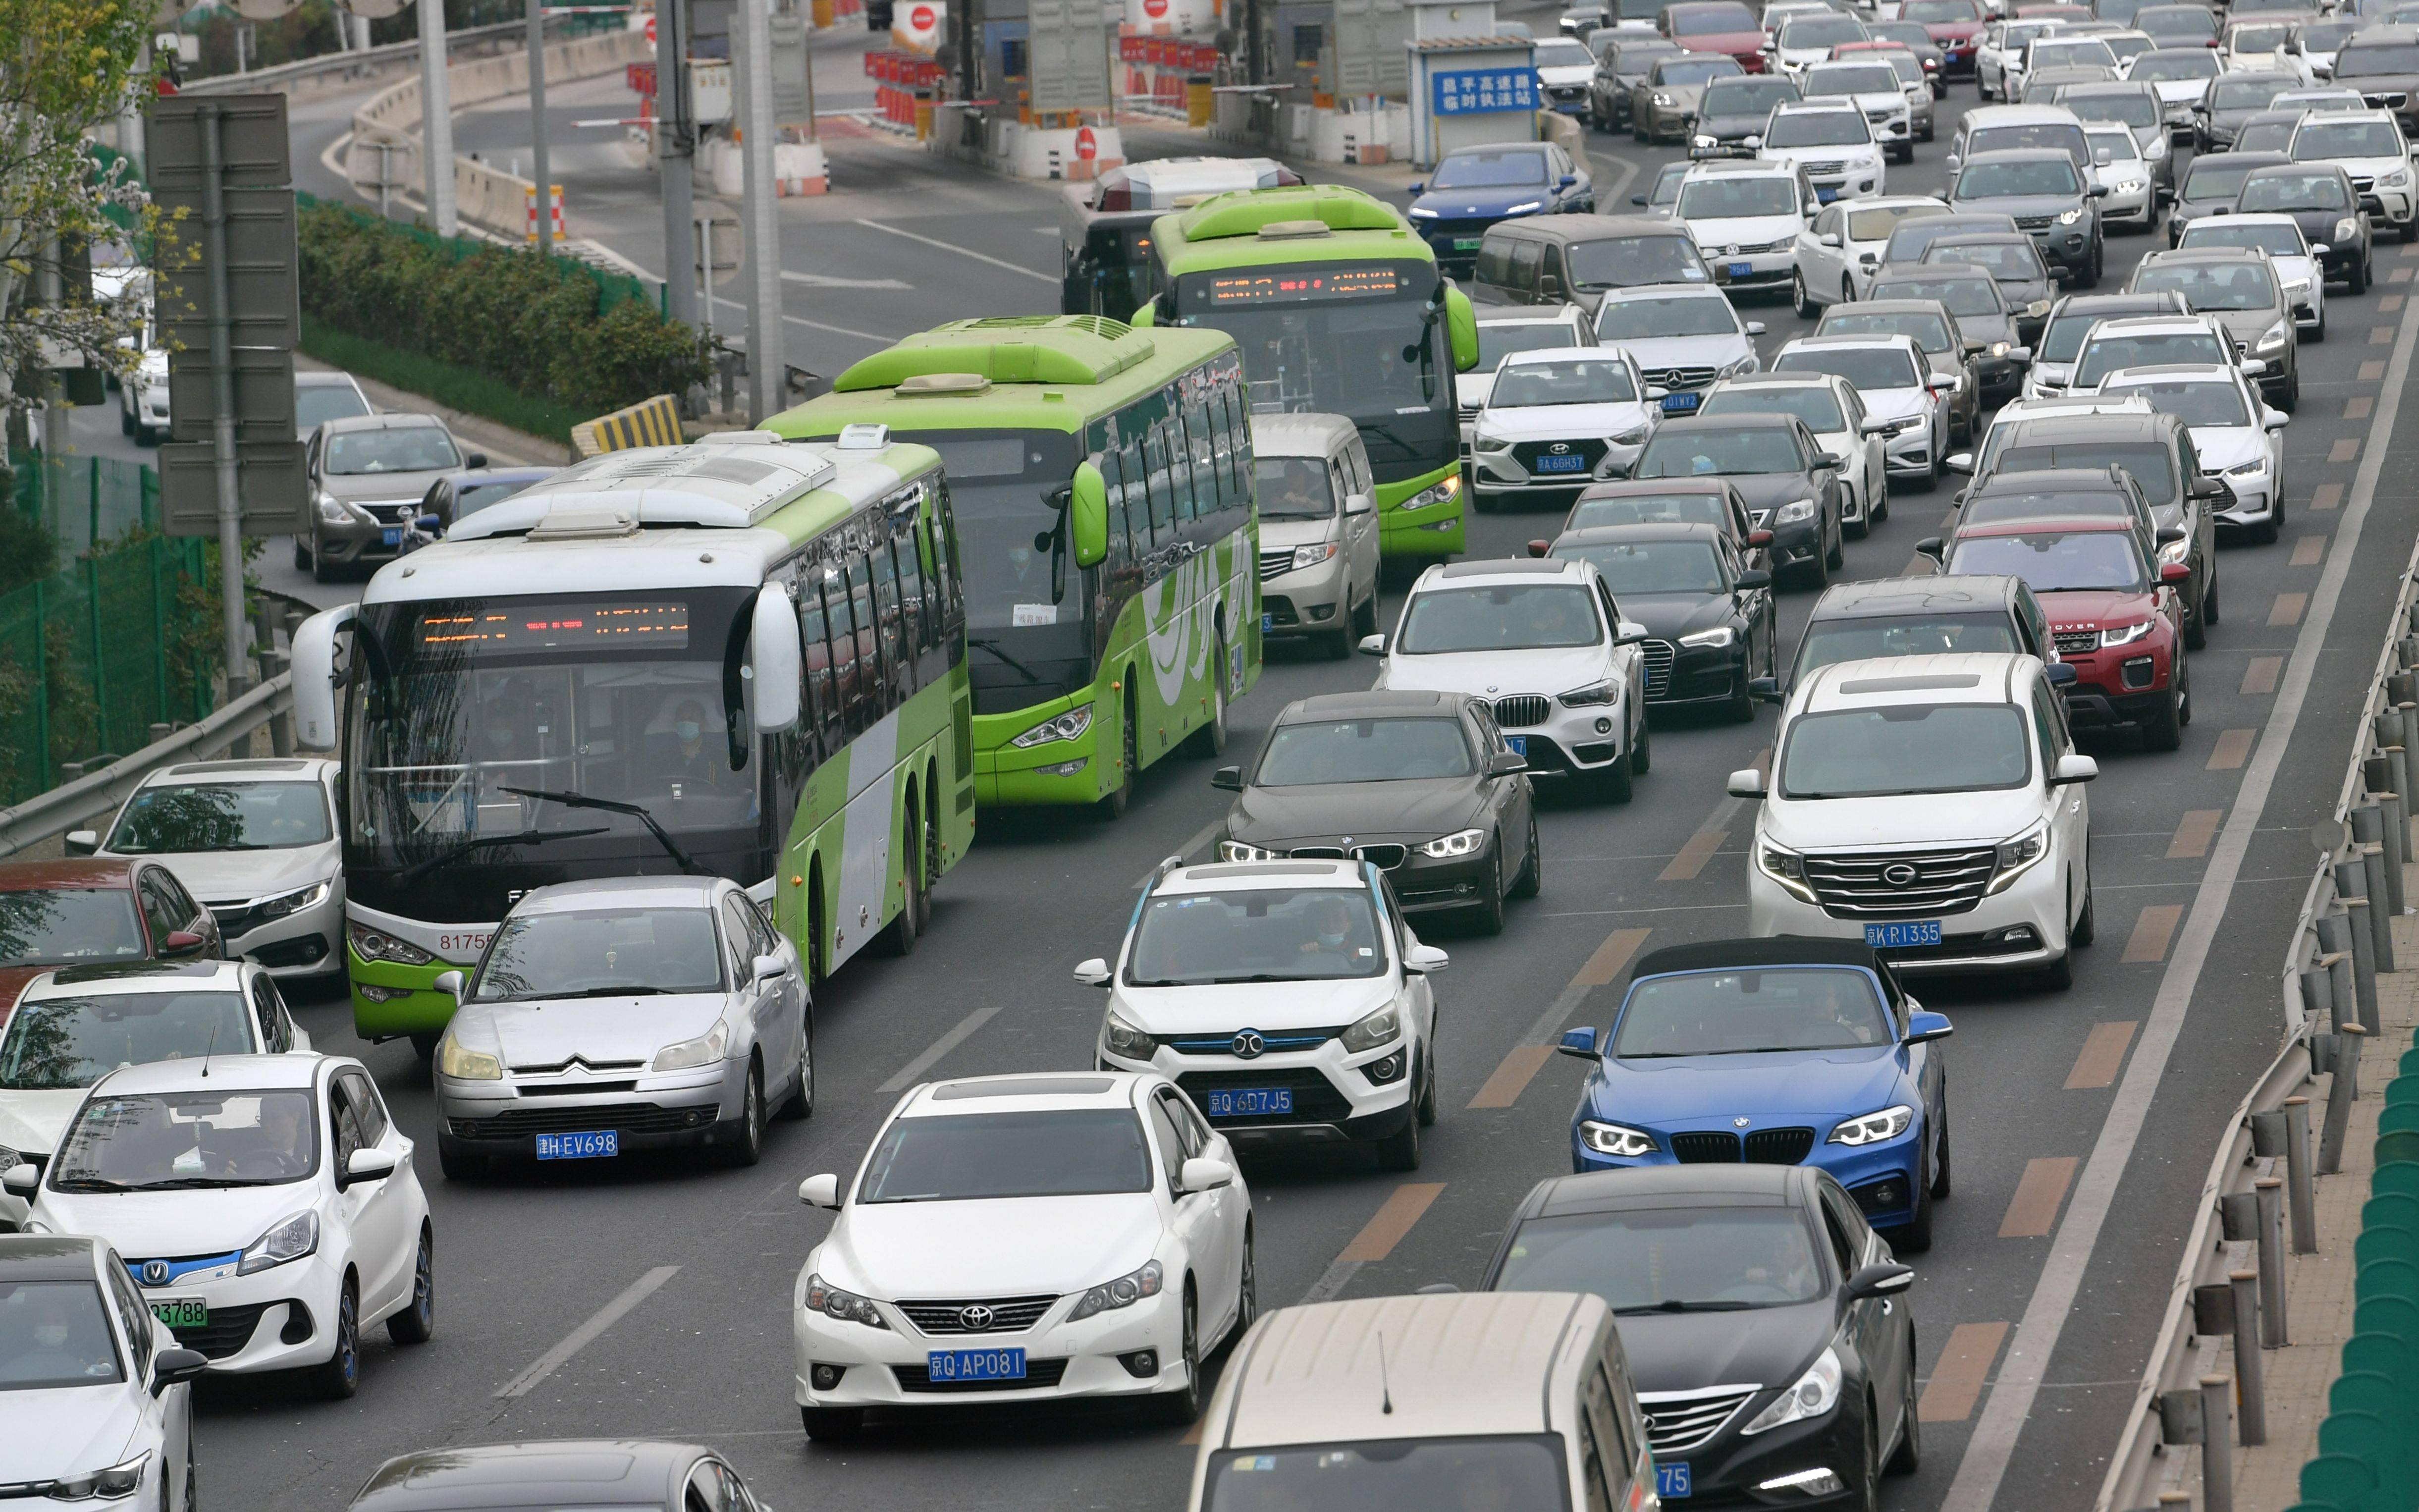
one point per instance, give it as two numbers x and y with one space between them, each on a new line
1711 623
1767 1325
1420 784
1791 485
2213 185
1669 501
2321 200
595 1475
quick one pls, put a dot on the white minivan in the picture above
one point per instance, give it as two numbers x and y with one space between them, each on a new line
1319 530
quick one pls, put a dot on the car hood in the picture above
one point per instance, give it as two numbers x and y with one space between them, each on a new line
1871 101
239 877
382 487
219 1220
2179 91
1952 31
1653 354
2229 447
1561 421
1830 824
1987 329
2092 609
1734 43
1683 96
1460 203
1770 1347
593 1029
2019 205
32 1122
1276 532
1566 73
2247 325
1895 404
1269 1005
1780 1089
1670 616
1741 230
1002 1247
1761 491
1494 673
68 1430
2213 204
1419 811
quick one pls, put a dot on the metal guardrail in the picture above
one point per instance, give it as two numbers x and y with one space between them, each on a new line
2327 990
469 39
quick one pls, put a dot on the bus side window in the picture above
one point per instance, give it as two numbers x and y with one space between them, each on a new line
1161 487
898 648
1207 496
1237 445
1179 467
1112 464
831 586
907 544
867 707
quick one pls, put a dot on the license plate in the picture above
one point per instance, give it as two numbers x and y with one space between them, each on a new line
1671 1480
181 1312
975 1364
391 536
1902 933
1572 463
1742 269
579 1145
1465 244
1251 1103
1268 623
1680 404
1519 745
1825 195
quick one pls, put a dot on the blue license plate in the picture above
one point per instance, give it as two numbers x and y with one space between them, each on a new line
1519 745
1671 1480
1902 933
1827 196
1680 404
1571 463
1252 1103
975 1364
579 1145
1742 269
391 536
1268 623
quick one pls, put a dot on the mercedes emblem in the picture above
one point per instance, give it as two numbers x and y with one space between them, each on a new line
976 1319
1898 874
1248 1045
1674 378
1742 1123
155 1272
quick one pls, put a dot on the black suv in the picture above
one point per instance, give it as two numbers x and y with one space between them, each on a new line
1920 617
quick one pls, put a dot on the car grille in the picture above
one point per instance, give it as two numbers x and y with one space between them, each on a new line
1944 882
1779 1146
1454 228
1766 1147
1589 452
1008 1314
1274 563
1520 711
2036 222
1286 1040
2079 640
1712 1149
391 511
1567 91
1039 1375
235 919
1679 1421
1314 1098
1782 245
2363 185
1384 857
1658 655
625 1118
561 1066
1838 167
1880 115
1677 379
228 1330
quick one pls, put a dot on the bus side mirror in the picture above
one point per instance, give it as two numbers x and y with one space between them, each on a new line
775 659
1146 314
315 677
1461 322
1088 515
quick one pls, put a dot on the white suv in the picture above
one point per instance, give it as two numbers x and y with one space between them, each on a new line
2369 146
1288 999
1932 806
1544 643
1833 143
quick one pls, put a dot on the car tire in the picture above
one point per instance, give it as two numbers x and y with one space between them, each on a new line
1838 556
2163 729
1641 748
1941 1183
1364 619
301 554
2409 230
1426 1113
340 1376
2210 609
1878 511
1637 130
1815 574
322 570
192 1477
899 935
1908 1456
1532 870
1487 917
146 435
417 1320
1914 1236
2357 280
2264 533
1181 1407
1798 298
800 1104
1618 781
2086 924
1400 1150
1869 1475
743 1143
832 1425
1740 707
2059 975
1247 1291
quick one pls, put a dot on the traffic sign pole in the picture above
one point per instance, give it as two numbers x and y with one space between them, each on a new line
214 243
540 174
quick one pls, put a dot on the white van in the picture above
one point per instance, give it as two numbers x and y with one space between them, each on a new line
1513 1399
1319 530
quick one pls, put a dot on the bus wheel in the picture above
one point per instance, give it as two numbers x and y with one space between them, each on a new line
899 935
931 873
818 967
1210 739
1115 805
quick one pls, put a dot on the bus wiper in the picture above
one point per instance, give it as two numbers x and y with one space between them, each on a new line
581 800
1676 1305
454 853
991 645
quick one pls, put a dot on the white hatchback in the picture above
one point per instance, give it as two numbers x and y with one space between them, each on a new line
1024 1238
1841 250
2280 236
1556 421
1906 401
2234 433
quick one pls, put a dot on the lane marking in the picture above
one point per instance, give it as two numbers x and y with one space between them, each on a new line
1377 1238
581 1337
2102 1055
2152 931
1611 957
2358 406
2261 675
2033 1210
1957 1379
2388 304
2233 749
1693 855
827 281
1520 1065
2371 371
2398 275
2328 495
962 252
1184 853
2309 551
907 1074
1992 1444
2344 449
2288 608
2193 833
2380 335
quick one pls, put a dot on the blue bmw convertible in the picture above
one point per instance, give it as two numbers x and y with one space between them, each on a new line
1780 1052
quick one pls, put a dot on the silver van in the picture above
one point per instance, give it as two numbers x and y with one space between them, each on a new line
1318 530
1506 1398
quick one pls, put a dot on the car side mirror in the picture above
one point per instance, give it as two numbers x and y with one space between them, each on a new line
1746 782
1881 427
2254 366
171 1367
2319 249
1372 645
1638 199
182 942
1950 163
2061 674
1932 546
2169 534
1228 777
1360 503
2021 354
1829 459
474 460
1765 690
1506 763
1418 187
769 967
2174 573
2269 420
1628 633
1092 972
1886 1279
1426 959
1752 578
819 1190
1201 1173
1755 328
2073 769
1580 1043
1828 238
1538 549
451 983
367 1166
1759 538
20 1180
1962 462
1568 179
2097 192
80 841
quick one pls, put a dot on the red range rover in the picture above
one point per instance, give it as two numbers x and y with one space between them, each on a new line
1956 25
2115 620
1723 26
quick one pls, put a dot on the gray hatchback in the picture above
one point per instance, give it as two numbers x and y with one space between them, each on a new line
2048 196
595 1475
368 474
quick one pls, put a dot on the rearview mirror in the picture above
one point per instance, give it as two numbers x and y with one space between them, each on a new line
1628 633
2174 573
1426 959
2319 249
1949 162
1506 763
1751 143
1538 549
450 983
1372 645
1759 538
1975 348
2269 420
1655 390
768 968
2097 191
314 663
2074 768
1360 503
171 1367
1229 777
1828 238
1753 578
1886 1279
775 659
1580 1043
1088 518
2254 367
2169 534
1746 782
2061 674
819 1190
474 460
1568 179
1755 328
1960 462
1828 460
369 1165
2207 487
80 841
182 942
1931 546
1419 187
1092 972
1201 1173
2103 158
20 1180
1634 199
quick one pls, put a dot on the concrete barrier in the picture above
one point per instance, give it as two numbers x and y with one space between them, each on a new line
649 423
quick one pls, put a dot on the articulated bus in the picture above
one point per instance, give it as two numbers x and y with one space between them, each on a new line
1104 224
1338 307
735 657
1102 483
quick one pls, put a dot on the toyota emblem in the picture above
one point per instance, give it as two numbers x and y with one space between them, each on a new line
1741 1123
1248 1045
1898 874
155 1272
976 1319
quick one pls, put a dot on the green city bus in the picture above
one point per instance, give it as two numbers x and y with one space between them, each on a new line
1101 482
1338 307
734 658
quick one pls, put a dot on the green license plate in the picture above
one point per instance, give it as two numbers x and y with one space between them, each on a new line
181 1312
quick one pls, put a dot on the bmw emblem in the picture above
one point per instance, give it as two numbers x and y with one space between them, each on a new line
1248 1045
1741 1123
976 1319
1898 874
155 1272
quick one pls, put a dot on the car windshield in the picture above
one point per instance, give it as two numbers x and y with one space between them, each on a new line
163 1140
1916 635
2193 401
2286 189
1204 939
58 1042
1963 297
173 817
2056 561
1702 20
1811 403
1745 96
1303 487
1687 71
1906 748
410 448
2063 136
317 403
2131 108
2245 93
1930 331
2103 355
2213 178
2265 38
1627 262
1667 185
2326 36
2263 134
1526 1472
1864 367
2069 52
1851 79
975 1157
1730 196
601 952
2243 286
2167 22
1689 568
1508 617
2168 65
2276 238
1876 224
2150 464
1572 54
69 926
1490 168
470 499
1993 506
1754 1011
1947 12
1563 380
2364 59
2321 140
55 1336
2002 180
2115 141
1699 451
1496 341
1363 750
2013 260
1667 1259
1679 314
1821 31
1689 508
1818 128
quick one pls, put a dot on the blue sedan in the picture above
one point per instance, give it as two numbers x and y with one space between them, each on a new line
1473 188
1780 1052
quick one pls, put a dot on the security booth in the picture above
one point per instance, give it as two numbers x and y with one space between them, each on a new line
1471 86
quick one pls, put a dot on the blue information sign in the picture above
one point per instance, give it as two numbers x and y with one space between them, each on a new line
1481 91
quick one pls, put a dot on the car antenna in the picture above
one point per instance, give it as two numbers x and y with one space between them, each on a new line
212 1044
1385 1392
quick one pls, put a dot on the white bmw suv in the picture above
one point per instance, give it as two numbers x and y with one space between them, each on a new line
1542 642
1933 806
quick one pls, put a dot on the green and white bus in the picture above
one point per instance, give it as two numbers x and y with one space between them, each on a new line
1101 478
735 657
1338 307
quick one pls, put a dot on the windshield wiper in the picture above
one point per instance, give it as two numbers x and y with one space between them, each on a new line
581 800
454 853
617 991
88 1183
1676 1305
991 645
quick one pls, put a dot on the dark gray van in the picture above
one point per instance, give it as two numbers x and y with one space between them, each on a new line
1573 259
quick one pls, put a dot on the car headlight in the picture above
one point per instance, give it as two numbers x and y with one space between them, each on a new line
332 511
1615 1139
290 1239
2345 229
1663 99
1525 207
2070 217
117 1481
2018 855
2276 335
690 1053
467 1065
1873 1127
1793 511
292 903
1124 1291
2248 470
1489 444
1435 493
2130 186
2125 634
1816 1393
1745 364
847 1306
1591 696
1632 436
1702 141
1785 867
1065 726
1719 636
1460 842
371 945
1123 1039
1384 1027
2398 179
1235 850
1311 556
2175 551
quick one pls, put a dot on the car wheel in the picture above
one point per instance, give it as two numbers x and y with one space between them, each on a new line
1489 914
2208 605
1427 1098
2059 975
899 935
419 1319
341 1375
1858 528
2356 281
1181 1407
837 1425
1400 1152
801 1102
1815 574
322 570
2196 626
1869 1481
193 1478
2409 230
1798 298
1878 510
2265 532
1914 1236
1247 1291
2163 729
1838 556
1364 619
1641 749
146 435
301 554
1637 130
2086 924
1940 1175
1533 871
1618 781
742 1144
1908 1456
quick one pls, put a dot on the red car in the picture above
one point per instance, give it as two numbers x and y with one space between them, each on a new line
1956 25
84 911
1715 26
2116 622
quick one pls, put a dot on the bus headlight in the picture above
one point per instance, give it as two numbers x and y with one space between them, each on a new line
1434 494
1065 726
370 945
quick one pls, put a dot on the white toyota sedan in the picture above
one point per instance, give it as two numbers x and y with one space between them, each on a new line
1024 1238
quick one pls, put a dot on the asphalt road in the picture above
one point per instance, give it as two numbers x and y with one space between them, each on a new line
2075 1169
